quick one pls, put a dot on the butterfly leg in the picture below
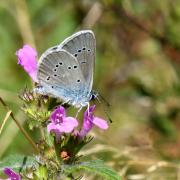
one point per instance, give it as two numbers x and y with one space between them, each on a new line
88 108
78 112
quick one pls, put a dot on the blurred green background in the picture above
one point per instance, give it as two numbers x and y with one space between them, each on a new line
137 71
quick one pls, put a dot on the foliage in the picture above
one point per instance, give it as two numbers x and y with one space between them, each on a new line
96 167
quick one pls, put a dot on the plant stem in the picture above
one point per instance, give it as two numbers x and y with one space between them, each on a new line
20 127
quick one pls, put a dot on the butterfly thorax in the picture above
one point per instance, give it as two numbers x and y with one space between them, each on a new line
84 100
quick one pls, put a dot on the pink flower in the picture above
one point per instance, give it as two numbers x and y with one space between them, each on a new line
60 123
11 174
90 120
27 59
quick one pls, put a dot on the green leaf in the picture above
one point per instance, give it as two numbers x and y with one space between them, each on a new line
17 162
41 172
97 167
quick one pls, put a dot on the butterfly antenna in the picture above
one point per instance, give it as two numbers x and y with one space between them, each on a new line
104 100
104 109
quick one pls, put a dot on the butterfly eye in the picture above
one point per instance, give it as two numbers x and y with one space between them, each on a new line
79 50
48 78
55 69
69 67
84 49
93 96
60 63
55 75
75 67
78 80
89 50
75 55
57 65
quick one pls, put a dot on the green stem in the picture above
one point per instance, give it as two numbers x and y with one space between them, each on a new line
57 151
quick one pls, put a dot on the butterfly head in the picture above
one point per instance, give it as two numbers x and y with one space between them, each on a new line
93 95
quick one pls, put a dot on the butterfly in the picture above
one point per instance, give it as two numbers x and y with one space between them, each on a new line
65 71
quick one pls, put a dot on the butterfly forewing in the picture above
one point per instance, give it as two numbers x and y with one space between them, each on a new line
58 73
82 46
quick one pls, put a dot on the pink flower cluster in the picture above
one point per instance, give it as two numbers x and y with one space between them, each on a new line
62 124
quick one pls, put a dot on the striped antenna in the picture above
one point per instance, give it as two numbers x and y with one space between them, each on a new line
104 102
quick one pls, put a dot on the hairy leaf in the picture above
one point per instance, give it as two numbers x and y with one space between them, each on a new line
97 167
18 162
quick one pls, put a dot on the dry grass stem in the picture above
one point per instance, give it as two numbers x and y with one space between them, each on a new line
4 121
93 15
23 20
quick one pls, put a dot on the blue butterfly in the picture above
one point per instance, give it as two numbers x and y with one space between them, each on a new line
65 71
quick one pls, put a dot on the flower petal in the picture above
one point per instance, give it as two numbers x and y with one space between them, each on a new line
84 130
89 112
56 129
11 174
87 125
59 111
69 123
66 126
88 121
101 123
51 126
27 59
